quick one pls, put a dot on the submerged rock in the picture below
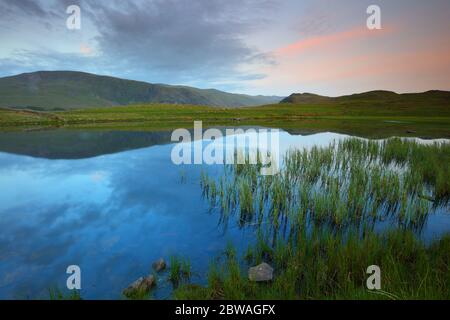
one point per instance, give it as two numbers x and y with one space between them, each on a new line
140 286
262 272
159 265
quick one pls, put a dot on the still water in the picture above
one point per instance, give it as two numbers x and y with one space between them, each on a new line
112 203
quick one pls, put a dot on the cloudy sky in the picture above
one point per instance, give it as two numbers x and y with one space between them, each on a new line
246 46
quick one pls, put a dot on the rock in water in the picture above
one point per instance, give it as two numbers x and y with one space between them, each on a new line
159 265
262 272
140 286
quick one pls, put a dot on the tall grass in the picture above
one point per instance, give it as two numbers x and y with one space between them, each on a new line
58 294
352 182
180 270
315 222
329 267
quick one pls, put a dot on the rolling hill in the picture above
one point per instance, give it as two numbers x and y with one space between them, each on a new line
64 90
377 97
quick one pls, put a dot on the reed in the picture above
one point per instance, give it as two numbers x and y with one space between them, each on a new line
180 270
353 181
315 222
334 267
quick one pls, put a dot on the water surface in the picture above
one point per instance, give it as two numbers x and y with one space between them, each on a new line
112 203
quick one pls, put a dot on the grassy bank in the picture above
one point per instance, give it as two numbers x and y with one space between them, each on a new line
318 223
323 266
364 119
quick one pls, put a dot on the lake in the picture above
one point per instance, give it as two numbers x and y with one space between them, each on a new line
113 202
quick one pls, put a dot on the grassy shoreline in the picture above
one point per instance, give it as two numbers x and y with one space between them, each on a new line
316 223
363 120
327 268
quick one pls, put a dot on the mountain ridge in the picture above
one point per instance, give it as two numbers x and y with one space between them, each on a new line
65 90
380 96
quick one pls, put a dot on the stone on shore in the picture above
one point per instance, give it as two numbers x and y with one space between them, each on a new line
140 286
259 273
159 265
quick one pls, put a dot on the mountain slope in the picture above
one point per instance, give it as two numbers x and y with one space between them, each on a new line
378 97
305 98
53 90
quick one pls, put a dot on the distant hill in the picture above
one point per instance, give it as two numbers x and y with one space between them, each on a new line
62 90
305 98
376 97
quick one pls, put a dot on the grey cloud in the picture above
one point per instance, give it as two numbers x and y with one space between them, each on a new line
22 6
185 41
28 61
32 9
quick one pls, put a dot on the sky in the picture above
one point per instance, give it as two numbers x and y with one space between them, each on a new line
245 46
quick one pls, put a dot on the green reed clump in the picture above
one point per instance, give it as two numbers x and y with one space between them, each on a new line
186 269
245 197
326 266
180 269
315 223
425 164
353 181
58 294
175 269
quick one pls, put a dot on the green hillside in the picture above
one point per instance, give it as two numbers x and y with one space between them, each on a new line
375 98
422 117
63 90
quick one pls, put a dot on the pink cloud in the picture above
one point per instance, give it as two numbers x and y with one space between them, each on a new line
330 40
86 50
352 61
